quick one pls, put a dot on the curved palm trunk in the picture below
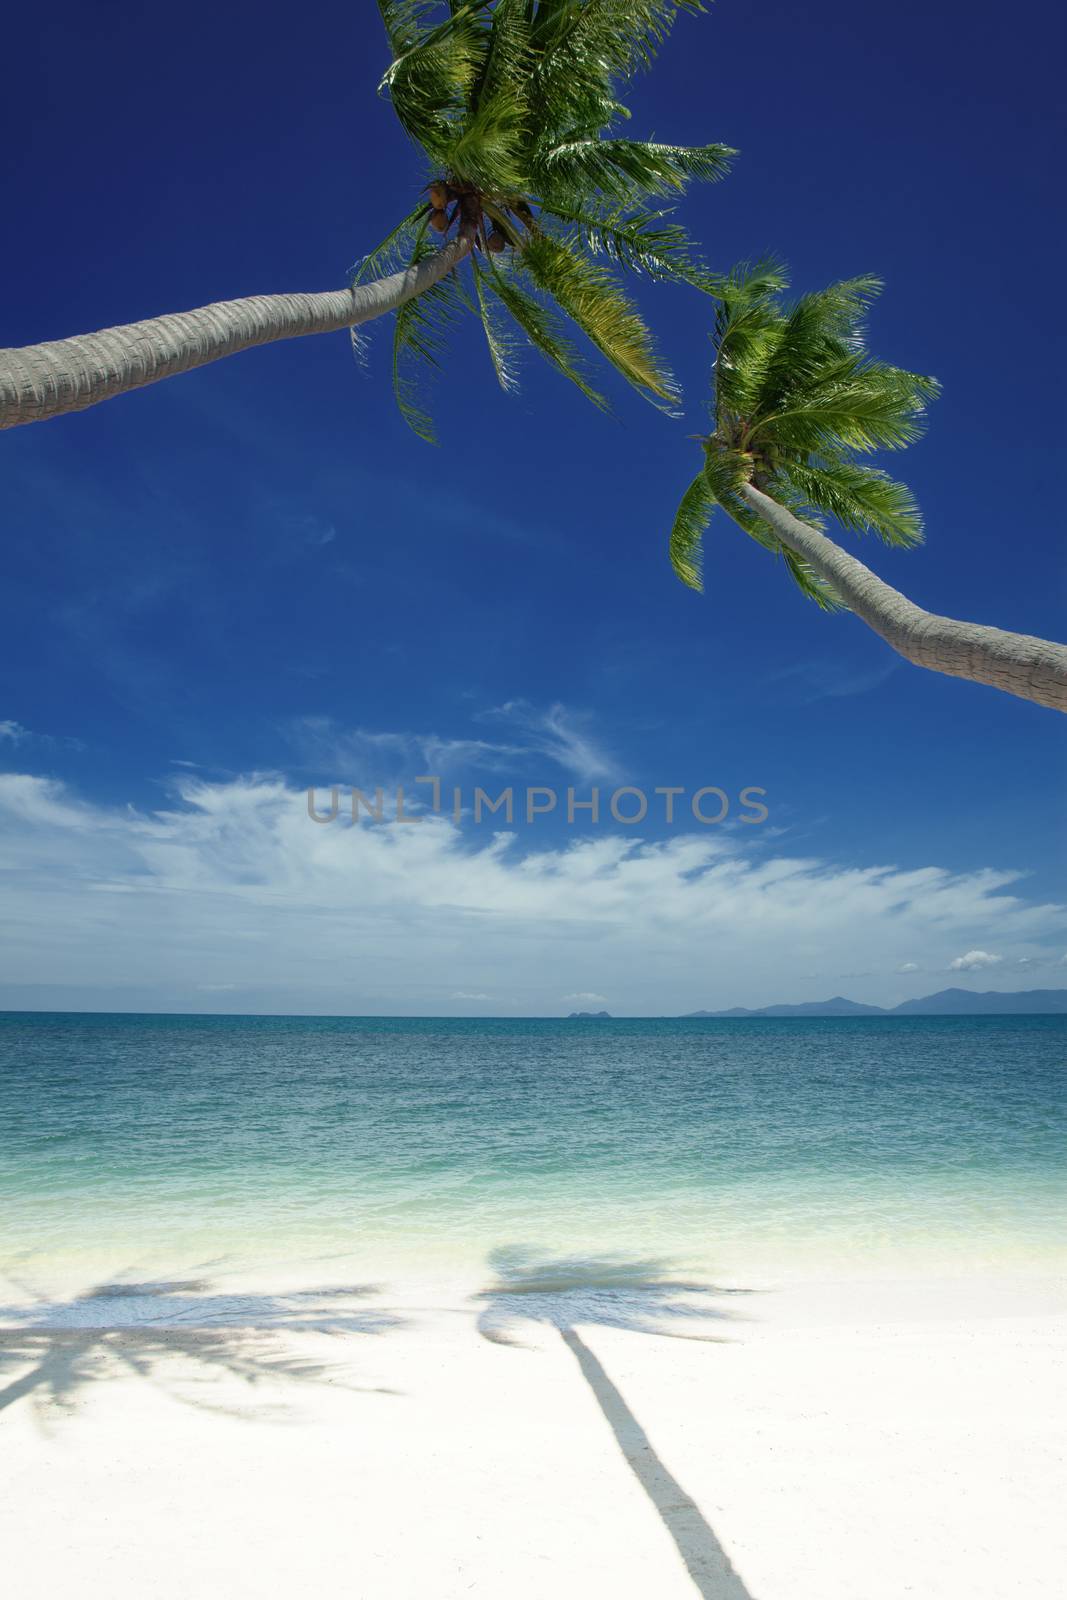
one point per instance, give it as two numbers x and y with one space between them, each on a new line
48 380
1034 669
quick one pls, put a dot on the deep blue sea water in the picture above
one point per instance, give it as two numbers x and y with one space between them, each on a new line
748 1148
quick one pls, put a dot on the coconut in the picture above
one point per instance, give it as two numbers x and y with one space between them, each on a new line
496 241
438 193
439 220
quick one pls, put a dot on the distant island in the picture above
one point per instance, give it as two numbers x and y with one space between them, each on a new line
946 1003
580 1016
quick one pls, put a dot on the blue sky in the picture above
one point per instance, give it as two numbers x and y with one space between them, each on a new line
253 577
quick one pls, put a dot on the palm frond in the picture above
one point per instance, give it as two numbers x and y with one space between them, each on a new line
861 498
687 532
624 34
429 84
752 282
403 21
407 22
819 328
394 250
807 580
591 297
726 469
509 58
746 324
853 403
627 170
641 241
485 149
497 337
419 336
544 331
811 585
585 49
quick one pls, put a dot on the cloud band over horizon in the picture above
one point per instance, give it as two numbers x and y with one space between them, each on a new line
230 898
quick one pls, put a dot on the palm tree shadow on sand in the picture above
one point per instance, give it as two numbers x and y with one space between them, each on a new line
180 1335
639 1295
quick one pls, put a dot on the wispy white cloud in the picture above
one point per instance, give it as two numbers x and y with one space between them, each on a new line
808 681
600 999
233 878
372 757
906 967
16 734
561 734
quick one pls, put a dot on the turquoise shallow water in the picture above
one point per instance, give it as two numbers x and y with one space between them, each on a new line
753 1149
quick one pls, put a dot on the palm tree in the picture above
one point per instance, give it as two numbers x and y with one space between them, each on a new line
513 103
797 399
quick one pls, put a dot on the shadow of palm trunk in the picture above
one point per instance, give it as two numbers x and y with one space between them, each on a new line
705 1559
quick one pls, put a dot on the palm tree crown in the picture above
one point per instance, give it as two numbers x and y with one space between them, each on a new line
796 399
513 103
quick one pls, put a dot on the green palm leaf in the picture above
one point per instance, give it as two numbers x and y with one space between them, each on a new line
745 331
687 532
590 296
817 328
428 84
851 403
641 241
395 248
621 34
626 170
810 584
860 498
497 336
419 339
486 147
508 59
403 20
545 332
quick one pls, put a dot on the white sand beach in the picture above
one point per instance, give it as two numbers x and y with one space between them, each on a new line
835 1442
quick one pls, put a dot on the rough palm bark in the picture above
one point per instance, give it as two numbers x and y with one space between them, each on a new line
48 380
1034 669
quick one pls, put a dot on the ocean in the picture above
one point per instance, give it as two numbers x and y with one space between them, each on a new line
753 1151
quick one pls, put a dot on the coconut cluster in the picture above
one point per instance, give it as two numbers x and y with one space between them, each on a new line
450 203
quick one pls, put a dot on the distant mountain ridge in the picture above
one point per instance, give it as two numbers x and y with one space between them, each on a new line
946 1003
989 1002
